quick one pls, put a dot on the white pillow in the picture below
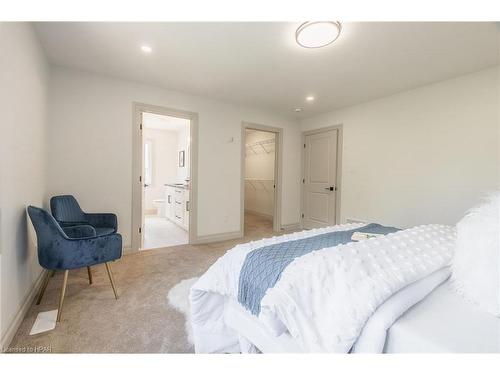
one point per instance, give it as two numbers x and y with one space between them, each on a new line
476 262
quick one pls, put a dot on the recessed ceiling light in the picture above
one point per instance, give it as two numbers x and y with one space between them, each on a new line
317 34
298 109
309 98
146 49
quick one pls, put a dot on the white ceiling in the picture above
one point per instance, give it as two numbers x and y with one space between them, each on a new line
159 122
260 64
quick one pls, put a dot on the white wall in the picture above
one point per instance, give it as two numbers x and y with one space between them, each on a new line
23 91
91 148
259 195
164 163
421 156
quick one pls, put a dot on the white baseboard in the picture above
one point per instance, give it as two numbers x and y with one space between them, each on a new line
216 237
127 250
21 313
294 226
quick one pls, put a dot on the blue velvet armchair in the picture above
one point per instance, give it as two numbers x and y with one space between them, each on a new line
67 248
67 212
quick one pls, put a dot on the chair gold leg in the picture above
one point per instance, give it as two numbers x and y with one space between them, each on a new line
45 282
111 279
90 275
61 298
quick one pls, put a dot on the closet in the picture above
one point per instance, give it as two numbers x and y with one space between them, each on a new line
259 172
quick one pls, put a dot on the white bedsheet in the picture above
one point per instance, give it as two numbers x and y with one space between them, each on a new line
219 285
373 337
444 323
323 299
371 340
251 328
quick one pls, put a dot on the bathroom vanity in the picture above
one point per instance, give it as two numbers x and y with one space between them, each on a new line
177 204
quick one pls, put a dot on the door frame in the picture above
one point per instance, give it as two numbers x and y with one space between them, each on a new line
338 185
137 156
278 166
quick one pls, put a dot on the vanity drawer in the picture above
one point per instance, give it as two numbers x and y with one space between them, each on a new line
179 195
178 208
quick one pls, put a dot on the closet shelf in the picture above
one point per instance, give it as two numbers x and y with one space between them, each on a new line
266 145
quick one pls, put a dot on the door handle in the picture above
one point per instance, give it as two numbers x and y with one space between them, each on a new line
331 188
146 185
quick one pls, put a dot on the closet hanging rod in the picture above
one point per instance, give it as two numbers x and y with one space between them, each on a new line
261 144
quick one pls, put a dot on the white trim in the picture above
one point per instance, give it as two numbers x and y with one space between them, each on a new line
339 128
293 226
21 313
278 171
137 110
217 237
127 250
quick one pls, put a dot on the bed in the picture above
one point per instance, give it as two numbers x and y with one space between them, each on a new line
343 296
440 323
444 323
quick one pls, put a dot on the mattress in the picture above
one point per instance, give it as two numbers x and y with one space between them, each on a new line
444 323
441 323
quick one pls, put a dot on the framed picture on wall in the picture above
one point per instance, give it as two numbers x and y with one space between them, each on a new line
182 158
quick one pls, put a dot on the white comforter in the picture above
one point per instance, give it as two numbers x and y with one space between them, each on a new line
323 299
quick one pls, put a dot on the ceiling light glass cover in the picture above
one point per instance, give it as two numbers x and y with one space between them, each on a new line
317 34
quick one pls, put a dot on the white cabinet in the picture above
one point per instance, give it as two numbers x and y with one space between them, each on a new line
177 205
169 202
185 217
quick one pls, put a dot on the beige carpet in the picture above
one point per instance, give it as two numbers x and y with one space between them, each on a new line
141 321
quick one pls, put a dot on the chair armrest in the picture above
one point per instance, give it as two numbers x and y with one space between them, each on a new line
102 220
79 231
82 252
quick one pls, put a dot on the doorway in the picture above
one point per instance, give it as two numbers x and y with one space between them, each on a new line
261 163
321 177
163 193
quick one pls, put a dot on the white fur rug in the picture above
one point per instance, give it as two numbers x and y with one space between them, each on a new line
178 298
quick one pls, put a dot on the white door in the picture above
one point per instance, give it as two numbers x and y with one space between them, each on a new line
320 179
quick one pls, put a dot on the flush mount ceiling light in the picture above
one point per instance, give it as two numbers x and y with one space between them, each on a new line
310 98
298 109
317 34
146 49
